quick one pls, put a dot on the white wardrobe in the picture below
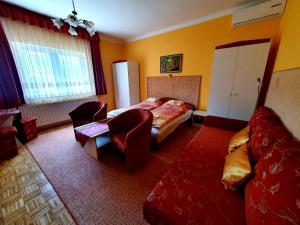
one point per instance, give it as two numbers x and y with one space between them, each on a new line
234 84
126 83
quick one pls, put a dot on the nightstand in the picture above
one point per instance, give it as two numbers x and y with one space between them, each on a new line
27 129
198 117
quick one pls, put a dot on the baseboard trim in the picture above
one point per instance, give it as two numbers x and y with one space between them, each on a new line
53 125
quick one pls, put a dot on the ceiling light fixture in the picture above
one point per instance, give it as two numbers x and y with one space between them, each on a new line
74 23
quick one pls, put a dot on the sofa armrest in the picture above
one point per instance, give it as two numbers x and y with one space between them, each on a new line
101 113
122 123
225 123
7 131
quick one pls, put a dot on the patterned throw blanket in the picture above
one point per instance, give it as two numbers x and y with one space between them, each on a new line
166 113
162 113
146 105
143 105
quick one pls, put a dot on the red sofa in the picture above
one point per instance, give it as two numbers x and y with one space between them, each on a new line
191 191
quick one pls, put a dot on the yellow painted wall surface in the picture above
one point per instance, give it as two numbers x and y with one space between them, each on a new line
197 43
110 52
288 55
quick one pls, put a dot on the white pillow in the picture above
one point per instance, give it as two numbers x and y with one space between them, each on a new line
175 102
151 99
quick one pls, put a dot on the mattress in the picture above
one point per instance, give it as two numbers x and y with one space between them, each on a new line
160 134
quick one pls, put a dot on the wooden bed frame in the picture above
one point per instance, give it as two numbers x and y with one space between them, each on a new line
185 88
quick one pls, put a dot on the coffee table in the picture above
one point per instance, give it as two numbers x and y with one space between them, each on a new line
93 137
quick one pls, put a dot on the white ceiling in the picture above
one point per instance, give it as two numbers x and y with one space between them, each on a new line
129 20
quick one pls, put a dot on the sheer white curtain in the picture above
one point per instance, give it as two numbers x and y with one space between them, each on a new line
51 66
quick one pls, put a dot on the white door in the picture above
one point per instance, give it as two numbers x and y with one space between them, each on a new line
224 66
251 65
121 86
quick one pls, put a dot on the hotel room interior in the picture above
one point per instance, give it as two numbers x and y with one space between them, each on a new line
165 112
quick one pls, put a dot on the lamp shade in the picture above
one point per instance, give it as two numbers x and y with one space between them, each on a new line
72 20
58 22
72 31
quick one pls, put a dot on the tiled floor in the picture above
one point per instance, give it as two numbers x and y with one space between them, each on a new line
26 196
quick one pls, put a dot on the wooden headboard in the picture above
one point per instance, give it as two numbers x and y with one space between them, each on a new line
284 98
185 88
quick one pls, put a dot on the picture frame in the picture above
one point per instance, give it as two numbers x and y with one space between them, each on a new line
171 63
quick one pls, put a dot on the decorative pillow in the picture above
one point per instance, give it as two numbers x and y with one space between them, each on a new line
152 99
238 139
175 102
189 106
237 168
265 135
273 195
165 99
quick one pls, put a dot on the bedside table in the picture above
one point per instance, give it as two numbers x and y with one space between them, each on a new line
27 129
198 117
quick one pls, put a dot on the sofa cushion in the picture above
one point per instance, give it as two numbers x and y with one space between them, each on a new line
237 168
265 134
273 195
191 192
239 139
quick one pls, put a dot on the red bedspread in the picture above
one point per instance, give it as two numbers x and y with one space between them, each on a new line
166 113
191 192
146 105
143 105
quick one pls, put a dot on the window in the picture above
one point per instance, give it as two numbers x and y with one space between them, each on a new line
52 66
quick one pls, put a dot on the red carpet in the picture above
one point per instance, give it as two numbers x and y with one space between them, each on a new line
102 192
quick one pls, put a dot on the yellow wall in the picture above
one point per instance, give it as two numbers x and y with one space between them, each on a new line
110 52
197 43
288 55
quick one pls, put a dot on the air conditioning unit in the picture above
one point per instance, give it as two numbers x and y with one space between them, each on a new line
258 12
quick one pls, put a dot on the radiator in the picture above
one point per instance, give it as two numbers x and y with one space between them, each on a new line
52 113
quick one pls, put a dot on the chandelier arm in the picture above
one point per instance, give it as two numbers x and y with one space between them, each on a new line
73 5
74 10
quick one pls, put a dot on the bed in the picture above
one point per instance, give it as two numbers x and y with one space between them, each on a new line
183 88
158 135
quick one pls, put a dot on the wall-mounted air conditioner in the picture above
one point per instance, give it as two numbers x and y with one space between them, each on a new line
257 12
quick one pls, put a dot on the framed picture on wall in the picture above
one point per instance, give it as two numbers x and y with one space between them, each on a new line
171 63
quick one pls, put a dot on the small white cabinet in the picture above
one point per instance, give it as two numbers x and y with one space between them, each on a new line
126 83
234 86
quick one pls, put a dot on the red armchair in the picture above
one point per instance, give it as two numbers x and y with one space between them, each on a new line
8 142
131 133
88 112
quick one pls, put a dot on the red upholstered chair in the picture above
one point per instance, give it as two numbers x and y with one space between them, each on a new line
88 112
8 142
131 133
